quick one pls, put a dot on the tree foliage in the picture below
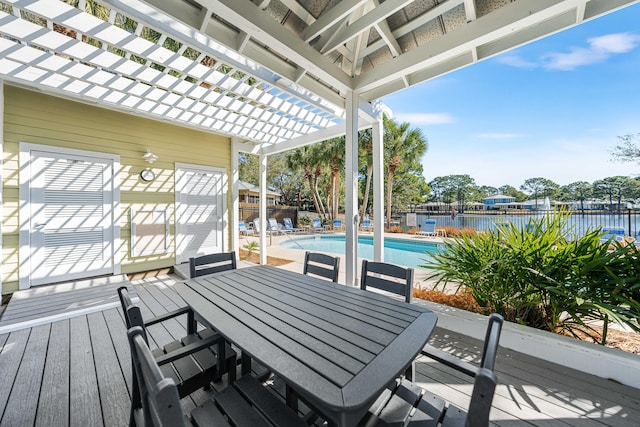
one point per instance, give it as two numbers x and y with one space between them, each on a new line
627 148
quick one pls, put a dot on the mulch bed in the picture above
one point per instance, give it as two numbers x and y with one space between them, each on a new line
255 258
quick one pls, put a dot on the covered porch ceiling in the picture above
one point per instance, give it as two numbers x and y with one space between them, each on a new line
274 74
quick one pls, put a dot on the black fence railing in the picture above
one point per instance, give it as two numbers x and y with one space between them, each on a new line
249 212
580 221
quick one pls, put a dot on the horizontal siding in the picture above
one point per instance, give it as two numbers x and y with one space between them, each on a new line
41 119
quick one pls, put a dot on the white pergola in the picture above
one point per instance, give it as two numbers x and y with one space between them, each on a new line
271 74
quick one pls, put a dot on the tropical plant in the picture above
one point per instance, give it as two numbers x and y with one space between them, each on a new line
250 247
540 277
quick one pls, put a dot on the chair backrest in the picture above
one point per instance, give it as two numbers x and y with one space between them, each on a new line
315 263
256 225
429 226
132 313
242 226
371 272
366 223
485 381
273 225
317 223
337 223
288 224
215 263
157 403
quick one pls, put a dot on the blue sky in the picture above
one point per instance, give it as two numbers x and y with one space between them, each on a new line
553 108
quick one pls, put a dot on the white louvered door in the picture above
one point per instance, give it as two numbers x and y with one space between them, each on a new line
200 205
71 217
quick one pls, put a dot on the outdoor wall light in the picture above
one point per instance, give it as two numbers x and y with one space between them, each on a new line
147 174
149 156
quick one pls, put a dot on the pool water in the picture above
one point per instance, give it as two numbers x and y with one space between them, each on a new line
409 253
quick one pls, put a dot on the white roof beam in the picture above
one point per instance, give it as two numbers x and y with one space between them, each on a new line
328 19
385 32
470 10
502 23
379 13
417 22
261 27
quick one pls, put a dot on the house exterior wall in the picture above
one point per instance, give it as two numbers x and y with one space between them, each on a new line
40 119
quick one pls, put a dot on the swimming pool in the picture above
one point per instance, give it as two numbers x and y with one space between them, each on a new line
409 253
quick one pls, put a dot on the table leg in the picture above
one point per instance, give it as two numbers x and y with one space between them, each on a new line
292 398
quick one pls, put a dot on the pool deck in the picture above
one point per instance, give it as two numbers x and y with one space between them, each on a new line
274 249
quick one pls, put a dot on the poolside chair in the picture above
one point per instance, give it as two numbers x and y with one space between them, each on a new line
276 228
316 225
321 265
408 402
243 229
288 225
212 263
192 362
155 399
388 277
337 225
429 229
366 225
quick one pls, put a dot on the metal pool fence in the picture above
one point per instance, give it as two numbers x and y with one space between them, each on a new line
580 221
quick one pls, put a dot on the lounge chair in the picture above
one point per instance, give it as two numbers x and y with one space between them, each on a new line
243 229
288 225
337 225
429 229
316 225
366 225
276 228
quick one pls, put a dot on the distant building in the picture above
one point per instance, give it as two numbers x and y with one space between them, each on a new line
499 201
249 193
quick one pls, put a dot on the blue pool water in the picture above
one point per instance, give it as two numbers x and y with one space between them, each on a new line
409 253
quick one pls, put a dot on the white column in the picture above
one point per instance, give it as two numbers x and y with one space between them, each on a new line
235 201
351 183
378 190
1 164
263 209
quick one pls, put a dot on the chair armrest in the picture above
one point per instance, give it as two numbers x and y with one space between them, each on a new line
189 349
449 360
167 316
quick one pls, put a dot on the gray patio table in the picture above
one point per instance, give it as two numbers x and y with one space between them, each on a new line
336 347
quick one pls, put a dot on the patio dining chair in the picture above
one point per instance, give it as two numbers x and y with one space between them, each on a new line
155 400
407 402
212 263
192 361
321 265
387 277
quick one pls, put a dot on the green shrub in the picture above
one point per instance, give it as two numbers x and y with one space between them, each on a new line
304 220
540 277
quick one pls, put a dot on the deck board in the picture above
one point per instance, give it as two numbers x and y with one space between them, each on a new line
77 371
53 408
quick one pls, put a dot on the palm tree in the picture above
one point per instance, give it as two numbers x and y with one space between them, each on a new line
334 154
307 158
402 144
365 141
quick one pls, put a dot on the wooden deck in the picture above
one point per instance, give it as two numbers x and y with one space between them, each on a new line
76 371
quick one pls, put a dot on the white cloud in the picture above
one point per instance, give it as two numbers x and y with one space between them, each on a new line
516 61
418 119
500 135
599 50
